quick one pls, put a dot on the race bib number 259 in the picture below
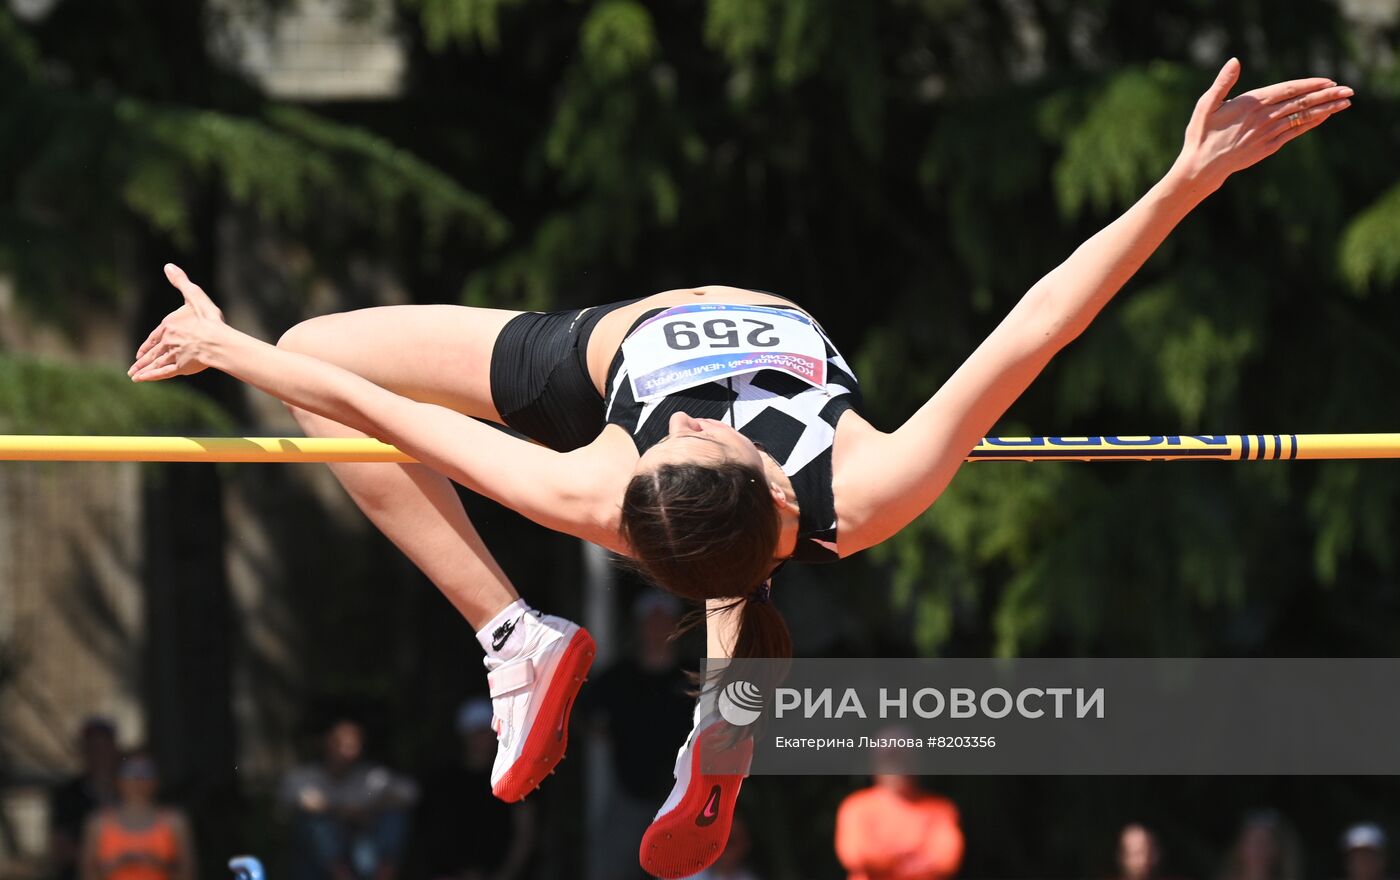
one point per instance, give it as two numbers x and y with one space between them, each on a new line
690 345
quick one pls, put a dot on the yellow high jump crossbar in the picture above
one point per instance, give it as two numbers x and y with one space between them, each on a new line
1195 447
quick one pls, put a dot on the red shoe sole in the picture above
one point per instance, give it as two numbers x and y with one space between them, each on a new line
545 746
689 838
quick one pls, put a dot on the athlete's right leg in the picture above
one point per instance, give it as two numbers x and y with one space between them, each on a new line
442 354
438 354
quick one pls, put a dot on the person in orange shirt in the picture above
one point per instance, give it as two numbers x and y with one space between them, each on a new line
894 830
136 839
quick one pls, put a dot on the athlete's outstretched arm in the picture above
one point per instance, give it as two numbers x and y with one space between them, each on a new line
558 490
897 476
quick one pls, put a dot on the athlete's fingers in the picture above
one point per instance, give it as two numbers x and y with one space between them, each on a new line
147 359
162 368
1288 134
194 295
156 374
1224 81
1291 89
1308 101
151 340
1274 144
1295 124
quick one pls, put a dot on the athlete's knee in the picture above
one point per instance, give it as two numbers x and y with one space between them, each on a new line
304 337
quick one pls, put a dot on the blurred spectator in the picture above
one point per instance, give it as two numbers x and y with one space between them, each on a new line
894 830
1266 849
135 839
350 816
72 803
1364 848
641 707
733 863
467 833
1138 854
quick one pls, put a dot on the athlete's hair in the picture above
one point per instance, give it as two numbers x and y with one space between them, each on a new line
709 531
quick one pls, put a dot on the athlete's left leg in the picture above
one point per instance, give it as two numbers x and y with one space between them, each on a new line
442 354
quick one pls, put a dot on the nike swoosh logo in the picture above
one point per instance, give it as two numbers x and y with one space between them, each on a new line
711 812
498 638
563 720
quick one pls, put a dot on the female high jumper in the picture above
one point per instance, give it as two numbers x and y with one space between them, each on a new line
708 435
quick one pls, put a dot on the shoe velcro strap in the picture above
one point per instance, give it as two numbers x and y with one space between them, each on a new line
510 678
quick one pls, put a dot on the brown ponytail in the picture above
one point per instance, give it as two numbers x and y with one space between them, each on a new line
763 634
710 532
762 630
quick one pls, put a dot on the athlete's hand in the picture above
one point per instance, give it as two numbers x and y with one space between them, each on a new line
1225 136
179 346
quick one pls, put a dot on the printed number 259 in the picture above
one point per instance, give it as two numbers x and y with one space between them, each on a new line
722 332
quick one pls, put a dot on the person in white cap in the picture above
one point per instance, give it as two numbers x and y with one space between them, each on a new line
1363 845
466 833
349 815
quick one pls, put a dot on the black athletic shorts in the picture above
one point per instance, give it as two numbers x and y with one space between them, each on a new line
539 376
